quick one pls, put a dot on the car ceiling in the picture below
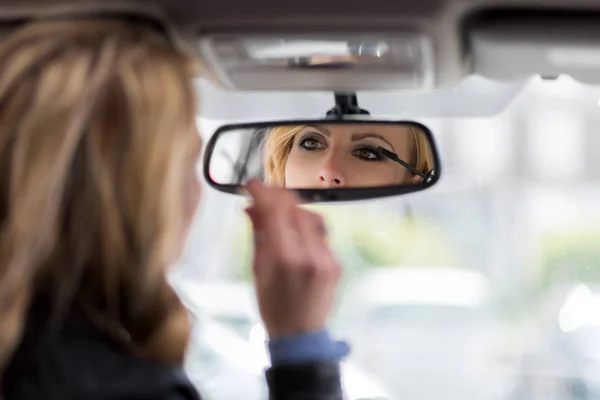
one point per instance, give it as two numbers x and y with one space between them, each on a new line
506 40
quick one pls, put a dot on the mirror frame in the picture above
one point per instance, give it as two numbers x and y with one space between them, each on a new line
328 194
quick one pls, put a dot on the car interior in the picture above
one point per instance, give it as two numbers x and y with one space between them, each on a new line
467 219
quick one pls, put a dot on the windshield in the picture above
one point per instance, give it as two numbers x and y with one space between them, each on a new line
517 206
422 314
588 341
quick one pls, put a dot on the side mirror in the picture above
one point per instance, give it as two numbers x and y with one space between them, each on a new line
325 160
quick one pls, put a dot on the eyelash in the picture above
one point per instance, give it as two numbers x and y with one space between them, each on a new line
303 141
373 150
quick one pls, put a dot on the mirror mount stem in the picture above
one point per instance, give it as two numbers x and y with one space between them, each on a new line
346 104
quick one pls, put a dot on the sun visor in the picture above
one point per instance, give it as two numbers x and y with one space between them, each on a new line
511 46
348 62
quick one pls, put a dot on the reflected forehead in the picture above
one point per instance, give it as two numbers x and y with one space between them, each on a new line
329 129
388 133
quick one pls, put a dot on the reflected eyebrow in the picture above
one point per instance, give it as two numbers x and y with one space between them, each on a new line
359 136
322 129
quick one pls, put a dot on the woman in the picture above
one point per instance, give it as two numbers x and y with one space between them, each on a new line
346 155
98 147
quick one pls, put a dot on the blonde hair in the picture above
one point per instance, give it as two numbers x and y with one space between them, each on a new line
279 142
278 145
97 150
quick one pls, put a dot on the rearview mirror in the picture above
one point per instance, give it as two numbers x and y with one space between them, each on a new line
325 160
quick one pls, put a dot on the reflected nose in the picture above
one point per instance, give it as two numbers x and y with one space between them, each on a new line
331 178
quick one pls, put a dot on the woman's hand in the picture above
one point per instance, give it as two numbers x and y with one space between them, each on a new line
295 273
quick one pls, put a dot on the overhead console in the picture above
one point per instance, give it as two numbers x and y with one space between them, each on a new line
340 61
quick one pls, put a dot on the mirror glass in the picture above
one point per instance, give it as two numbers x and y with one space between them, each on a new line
325 156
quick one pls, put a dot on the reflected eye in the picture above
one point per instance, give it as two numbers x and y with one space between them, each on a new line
311 144
368 154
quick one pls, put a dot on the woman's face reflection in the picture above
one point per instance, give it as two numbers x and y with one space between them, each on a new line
346 156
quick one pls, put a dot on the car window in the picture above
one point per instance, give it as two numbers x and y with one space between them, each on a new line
422 314
517 204
240 325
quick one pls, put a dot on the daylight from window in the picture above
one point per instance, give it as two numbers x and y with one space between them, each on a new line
487 286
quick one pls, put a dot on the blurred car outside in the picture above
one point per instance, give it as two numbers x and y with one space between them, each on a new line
233 305
427 332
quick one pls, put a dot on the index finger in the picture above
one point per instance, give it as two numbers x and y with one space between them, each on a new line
265 196
257 189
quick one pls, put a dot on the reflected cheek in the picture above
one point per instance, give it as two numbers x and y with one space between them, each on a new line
402 177
377 174
300 172
396 175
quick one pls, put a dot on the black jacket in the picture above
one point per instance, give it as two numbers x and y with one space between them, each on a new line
79 362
